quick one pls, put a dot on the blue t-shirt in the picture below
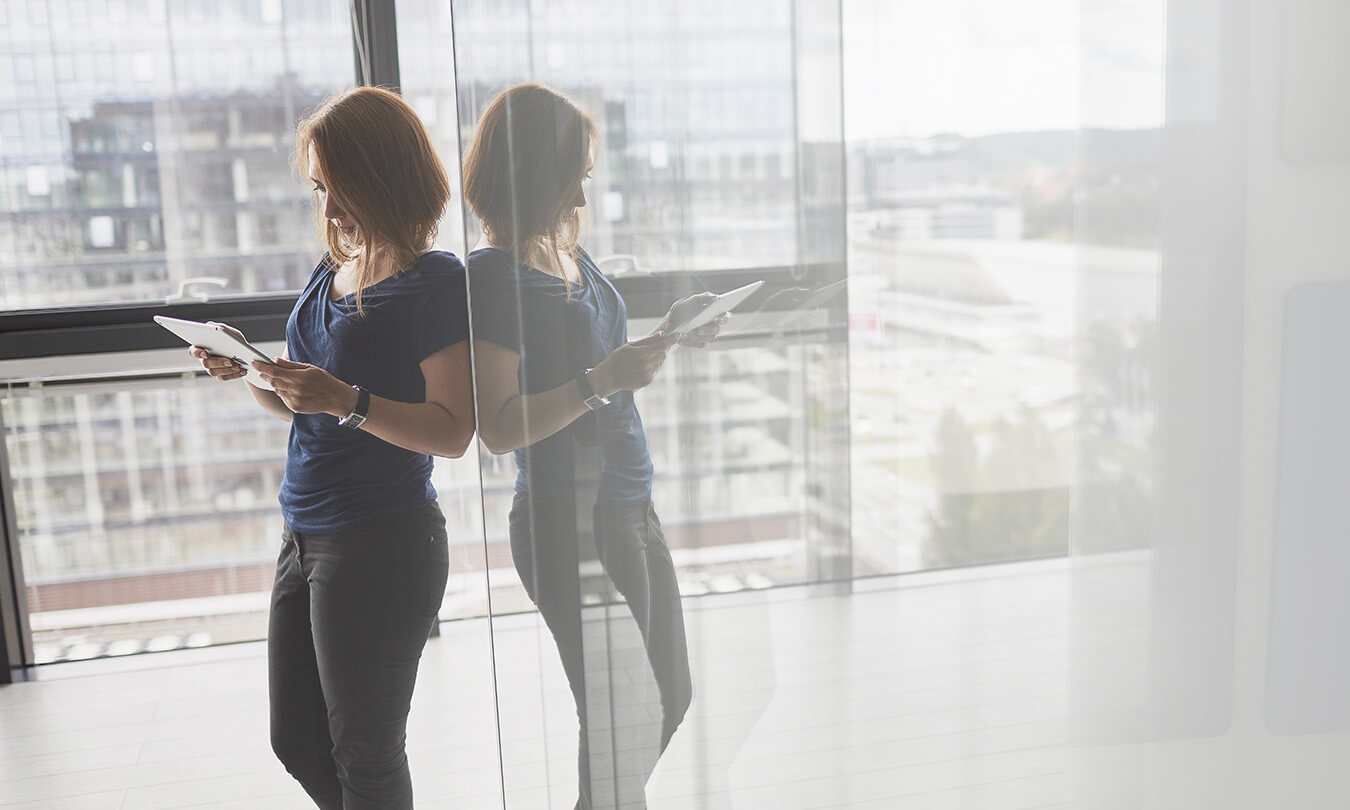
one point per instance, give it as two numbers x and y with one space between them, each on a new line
558 336
336 477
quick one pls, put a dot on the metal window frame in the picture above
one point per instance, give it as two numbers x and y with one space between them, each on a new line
375 43
30 334
16 650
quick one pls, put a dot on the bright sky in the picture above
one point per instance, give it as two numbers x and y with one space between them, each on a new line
920 67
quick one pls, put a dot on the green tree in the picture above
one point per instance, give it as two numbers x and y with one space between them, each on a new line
1011 505
954 468
1114 500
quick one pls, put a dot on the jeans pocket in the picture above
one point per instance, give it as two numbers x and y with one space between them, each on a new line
437 572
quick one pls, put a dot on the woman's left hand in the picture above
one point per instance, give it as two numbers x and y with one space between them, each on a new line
704 335
684 309
308 389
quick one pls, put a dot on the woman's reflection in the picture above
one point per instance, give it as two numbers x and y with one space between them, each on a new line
555 381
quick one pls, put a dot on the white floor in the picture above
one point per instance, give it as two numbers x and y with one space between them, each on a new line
933 691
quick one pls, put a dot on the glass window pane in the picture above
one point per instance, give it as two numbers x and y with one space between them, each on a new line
702 179
147 515
980 281
168 168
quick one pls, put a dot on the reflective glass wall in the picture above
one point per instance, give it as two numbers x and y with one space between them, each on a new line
718 162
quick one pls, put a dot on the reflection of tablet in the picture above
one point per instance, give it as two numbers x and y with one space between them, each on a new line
772 320
822 295
723 303
222 340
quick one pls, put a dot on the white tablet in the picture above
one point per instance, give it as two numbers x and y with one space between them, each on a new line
723 303
222 340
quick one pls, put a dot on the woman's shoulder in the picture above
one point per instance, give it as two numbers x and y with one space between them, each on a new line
433 275
494 268
440 262
325 266
433 270
489 260
587 264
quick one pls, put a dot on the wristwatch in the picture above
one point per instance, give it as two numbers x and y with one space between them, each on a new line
357 417
588 395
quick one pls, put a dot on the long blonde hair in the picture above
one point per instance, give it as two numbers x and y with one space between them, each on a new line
381 168
524 169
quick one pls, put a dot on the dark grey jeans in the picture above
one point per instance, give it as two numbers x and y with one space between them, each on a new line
546 538
350 615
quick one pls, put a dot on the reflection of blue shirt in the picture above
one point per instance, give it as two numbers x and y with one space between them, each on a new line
558 336
336 477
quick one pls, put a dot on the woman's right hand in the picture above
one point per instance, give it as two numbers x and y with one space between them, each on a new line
633 365
222 368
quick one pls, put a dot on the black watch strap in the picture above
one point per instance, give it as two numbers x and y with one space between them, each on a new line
588 395
357 417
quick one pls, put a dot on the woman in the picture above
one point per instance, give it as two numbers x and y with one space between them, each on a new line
555 378
375 381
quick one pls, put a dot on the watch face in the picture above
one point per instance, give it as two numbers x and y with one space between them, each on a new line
588 391
352 420
358 415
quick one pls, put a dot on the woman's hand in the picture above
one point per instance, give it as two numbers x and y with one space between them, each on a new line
684 309
633 365
702 336
222 368
308 389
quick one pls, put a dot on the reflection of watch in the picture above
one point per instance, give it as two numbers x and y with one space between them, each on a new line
357 417
593 400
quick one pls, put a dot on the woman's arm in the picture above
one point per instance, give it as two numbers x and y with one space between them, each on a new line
508 421
440 426
270 402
